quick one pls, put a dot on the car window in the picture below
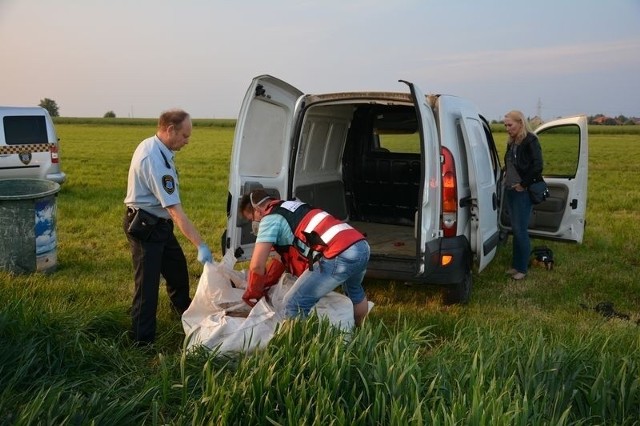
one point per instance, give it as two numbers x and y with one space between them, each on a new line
560 150
404 143
25 129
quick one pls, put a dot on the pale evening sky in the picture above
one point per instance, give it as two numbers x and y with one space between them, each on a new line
139 57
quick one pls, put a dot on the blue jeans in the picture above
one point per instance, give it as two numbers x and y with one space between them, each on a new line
520 208
346 269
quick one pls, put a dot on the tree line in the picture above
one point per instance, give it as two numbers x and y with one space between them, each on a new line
599 119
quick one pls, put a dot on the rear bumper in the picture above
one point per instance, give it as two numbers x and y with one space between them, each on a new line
60 177
453 272
406 269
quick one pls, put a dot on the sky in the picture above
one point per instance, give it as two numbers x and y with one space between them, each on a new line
138 58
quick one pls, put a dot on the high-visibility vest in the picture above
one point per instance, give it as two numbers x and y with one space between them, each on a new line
316 232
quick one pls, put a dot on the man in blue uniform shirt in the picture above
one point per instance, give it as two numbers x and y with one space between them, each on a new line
153 207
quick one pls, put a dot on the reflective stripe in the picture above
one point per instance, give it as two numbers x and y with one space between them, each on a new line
331 232
315 220
18 149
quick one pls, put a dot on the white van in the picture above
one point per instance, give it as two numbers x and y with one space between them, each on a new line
29 145
418 175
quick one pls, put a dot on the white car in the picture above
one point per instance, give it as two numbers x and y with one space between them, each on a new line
419 175
29 146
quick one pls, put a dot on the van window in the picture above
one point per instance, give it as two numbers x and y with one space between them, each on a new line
560 150
403 143
25 129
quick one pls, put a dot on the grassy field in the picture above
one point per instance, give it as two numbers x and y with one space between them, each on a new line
519 353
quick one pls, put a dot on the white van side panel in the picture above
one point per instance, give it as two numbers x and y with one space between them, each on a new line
319 155
318 164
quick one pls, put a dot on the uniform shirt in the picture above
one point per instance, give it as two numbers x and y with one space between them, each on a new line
153 180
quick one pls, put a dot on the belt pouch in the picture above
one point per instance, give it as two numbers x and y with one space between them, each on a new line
142 224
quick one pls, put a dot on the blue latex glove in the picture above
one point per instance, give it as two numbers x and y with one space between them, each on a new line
204 254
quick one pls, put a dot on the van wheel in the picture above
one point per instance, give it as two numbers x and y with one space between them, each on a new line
460 292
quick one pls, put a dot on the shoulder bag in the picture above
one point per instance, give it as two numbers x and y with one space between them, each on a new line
538 191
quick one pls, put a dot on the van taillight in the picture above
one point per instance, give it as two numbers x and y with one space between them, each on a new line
449 195
54 153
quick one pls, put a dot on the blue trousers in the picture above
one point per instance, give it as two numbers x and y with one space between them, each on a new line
519 207
346 269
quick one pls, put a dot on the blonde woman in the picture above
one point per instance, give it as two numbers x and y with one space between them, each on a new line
523 164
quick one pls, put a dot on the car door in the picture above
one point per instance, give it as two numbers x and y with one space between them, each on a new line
428 217
260 154
459 119
565 152
485 234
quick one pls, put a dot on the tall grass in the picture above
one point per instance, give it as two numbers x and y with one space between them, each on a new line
519 353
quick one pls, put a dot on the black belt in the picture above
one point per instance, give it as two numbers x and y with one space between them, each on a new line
132 211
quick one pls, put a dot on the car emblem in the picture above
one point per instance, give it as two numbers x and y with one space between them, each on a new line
25 157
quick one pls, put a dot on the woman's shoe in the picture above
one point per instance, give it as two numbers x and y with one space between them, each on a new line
518 276
511 271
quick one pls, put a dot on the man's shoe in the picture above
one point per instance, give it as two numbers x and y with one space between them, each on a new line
518 276
511 271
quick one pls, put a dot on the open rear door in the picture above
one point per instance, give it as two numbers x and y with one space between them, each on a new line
459 120
260 153
482 183
428 220
565 152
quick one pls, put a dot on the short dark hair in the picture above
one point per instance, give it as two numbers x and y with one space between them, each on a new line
173 117
255 196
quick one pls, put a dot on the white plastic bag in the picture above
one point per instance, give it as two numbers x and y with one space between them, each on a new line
219 318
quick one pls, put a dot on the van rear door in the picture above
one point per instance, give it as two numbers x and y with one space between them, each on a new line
565 152
260 155
428 215
460 122
482 184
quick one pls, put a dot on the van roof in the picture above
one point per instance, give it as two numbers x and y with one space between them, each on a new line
22 110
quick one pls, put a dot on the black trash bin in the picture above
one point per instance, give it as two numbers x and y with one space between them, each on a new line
28 240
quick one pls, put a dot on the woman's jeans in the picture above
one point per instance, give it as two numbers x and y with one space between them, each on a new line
346 269
519 207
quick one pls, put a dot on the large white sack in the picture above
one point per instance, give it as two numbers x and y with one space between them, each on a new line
219 318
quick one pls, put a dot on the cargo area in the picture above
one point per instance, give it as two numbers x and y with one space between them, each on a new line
362 163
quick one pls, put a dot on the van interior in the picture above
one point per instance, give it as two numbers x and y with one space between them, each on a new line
362 163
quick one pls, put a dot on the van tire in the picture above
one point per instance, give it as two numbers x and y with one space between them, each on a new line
459 292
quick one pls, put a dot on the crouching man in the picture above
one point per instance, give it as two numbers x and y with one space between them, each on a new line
321 250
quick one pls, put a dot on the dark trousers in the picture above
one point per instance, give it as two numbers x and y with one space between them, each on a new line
160 254
520 209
